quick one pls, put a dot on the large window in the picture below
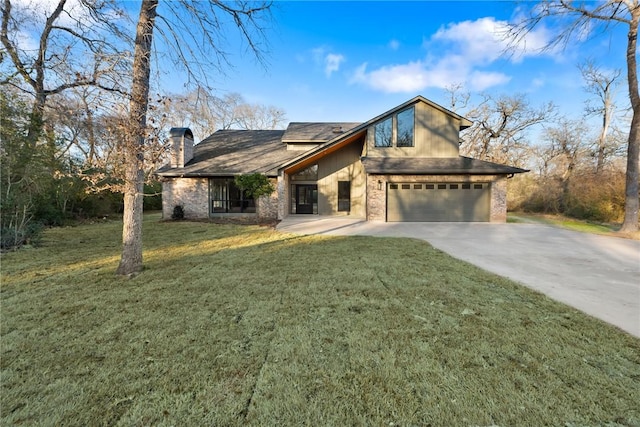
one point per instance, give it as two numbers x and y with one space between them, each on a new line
396 130
344 196
384 133
405 128
227 198
308 174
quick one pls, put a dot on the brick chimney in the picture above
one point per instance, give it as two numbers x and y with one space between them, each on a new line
181 146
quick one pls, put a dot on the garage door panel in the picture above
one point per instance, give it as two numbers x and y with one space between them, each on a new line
449 202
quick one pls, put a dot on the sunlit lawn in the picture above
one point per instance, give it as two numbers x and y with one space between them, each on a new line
572 224
242 325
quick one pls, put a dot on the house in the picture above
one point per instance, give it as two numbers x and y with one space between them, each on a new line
403 165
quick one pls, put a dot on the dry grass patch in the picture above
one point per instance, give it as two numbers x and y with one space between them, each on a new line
242 325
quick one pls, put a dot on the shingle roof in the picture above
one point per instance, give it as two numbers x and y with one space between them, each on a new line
436 166
315 132
235 152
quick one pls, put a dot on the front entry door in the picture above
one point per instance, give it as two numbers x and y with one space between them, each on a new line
306 197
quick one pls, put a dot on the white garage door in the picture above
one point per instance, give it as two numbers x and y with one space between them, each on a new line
438 202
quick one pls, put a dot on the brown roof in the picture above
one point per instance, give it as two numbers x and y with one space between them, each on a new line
436 166
315 132
235 152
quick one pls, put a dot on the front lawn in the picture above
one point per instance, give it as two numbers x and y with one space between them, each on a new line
242 325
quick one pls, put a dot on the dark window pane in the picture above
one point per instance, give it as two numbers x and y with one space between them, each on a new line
393 186
383 133
344 196
406 186
442 186
453 186
466 186
417 186
405 128
429 186
227 198
308 174
477 186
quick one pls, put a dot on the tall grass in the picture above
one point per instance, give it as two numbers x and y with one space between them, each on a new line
232 325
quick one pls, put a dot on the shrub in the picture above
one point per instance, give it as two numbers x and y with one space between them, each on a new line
14 237
254 184
178 213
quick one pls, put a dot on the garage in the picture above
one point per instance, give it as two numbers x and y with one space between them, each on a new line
438 202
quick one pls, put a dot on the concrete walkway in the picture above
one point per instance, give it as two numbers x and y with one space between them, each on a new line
599 275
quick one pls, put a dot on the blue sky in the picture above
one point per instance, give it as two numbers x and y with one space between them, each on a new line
353 60
350 61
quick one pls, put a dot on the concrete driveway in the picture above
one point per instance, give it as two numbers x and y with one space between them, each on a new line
599 275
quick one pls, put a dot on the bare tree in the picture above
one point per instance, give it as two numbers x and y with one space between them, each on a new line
72 52
585 18
565 150
500 125
131 259
206 16
205 113
602 84
458 96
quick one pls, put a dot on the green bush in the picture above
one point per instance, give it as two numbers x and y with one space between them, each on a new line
178 213
15 237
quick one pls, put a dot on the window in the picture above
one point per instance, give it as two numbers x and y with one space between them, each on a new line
344 196
405 128
477 186
384 134
466 186
393 186
308 174
429 186
442 186
453 186
417 186
396 130
227 198
406 186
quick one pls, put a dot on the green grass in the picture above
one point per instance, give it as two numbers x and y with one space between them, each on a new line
565 222
241 325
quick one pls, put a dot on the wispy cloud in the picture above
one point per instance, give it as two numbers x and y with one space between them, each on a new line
330 61
462 52
394 44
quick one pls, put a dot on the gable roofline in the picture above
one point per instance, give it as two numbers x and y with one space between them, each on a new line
349 135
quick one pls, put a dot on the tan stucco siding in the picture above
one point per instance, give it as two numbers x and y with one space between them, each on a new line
190 193
377 187
436 134
342 165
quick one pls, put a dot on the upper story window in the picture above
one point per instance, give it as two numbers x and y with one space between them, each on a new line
405 128
397 130
384 133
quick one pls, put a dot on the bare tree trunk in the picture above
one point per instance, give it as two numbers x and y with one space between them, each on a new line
131 260
632 201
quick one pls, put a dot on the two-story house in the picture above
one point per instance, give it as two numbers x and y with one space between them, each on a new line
403 165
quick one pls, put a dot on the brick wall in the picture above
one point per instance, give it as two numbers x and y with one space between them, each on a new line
190 193
193 195
499 200
267 206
